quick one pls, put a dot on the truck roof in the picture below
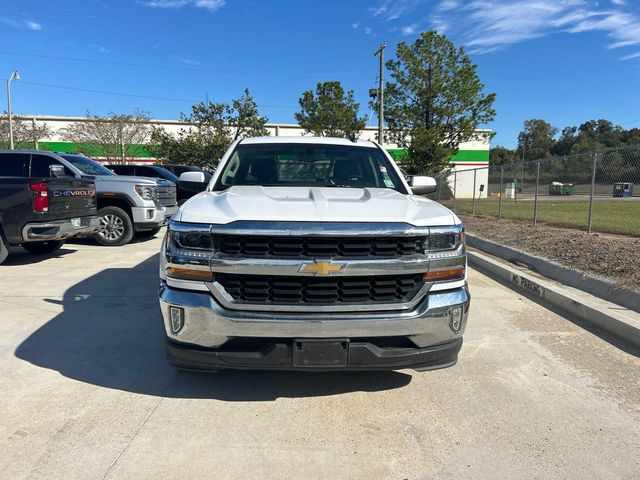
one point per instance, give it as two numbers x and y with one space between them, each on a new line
308 140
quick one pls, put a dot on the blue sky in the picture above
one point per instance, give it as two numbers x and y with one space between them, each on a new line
566 61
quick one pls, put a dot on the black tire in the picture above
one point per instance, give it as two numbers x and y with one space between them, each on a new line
4 248
43 247
116 227
147 233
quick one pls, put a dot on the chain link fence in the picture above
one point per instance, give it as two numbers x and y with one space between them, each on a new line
595 191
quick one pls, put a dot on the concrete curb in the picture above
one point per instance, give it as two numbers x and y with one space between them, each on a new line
606 315
599 287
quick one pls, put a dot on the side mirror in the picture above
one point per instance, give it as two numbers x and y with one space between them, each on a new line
56 170
193 177
422 185
192 183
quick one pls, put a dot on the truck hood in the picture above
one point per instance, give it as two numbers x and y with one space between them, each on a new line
132 179
300 204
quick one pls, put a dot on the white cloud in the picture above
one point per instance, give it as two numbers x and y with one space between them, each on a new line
409 29
20 24
165 3
31 25
189 61
355 25
367 30
489 25
211 5
393 9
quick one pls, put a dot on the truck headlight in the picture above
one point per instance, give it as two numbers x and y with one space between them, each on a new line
146 192
443 241
447 256
188 252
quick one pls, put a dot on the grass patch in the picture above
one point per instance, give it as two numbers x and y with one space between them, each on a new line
609 216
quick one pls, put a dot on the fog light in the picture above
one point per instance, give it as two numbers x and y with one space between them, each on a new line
150 214
176 315
456 318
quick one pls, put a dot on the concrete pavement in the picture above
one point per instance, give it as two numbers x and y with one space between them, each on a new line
86 393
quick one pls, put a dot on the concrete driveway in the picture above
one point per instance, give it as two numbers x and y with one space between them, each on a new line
86 393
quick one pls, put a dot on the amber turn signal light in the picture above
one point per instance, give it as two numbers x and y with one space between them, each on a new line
190 274
448 274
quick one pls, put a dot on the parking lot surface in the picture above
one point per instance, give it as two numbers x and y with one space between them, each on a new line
86 393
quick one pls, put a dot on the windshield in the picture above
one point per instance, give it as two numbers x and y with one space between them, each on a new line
309 165
166 174
86 165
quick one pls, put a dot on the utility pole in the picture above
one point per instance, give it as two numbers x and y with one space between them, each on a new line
380 53
13 75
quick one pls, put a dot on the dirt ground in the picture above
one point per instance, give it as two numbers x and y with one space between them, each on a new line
615 257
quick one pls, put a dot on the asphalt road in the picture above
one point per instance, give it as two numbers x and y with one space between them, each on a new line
86 393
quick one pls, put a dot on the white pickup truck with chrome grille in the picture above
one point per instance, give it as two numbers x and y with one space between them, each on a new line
313 253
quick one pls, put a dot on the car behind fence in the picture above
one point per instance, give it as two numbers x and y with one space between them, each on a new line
595 191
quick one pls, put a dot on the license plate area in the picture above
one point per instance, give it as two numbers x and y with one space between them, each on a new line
76 222
321 353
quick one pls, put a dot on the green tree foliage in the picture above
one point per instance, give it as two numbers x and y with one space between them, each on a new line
434 102
116 137
329 112
537 139
500 155
26 133
211 129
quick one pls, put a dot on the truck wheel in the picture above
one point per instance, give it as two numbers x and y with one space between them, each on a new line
147 233
4 248
43 247
115 227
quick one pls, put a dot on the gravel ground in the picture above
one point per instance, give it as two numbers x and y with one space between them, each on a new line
614 257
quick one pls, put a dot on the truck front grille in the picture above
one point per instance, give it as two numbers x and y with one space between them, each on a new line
166 196
311 247
298 290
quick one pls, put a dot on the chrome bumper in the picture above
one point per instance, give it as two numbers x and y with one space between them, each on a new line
209 325
58 229
152 217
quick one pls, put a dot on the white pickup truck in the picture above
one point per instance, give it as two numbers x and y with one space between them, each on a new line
314 254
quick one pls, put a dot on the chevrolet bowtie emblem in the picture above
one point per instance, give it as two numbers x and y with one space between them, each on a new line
322 268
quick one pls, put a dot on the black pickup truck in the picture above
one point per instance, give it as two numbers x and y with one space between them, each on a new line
39 212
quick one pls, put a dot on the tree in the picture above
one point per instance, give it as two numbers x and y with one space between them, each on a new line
115 137
246 121
211 129
26 133
329 112
434 102
537 139
500 155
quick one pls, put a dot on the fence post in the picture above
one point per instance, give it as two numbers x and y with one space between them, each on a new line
593 188
535 201
501 192
440 179
473 208
455 188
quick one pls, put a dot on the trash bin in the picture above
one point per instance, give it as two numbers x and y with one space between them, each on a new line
623 189
557 188
510 190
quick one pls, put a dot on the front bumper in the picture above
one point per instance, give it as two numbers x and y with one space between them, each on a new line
58 229
200 342
152 217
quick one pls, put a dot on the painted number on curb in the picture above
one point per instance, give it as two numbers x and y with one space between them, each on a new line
527 284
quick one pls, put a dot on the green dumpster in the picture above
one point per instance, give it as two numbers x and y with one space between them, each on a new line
557 188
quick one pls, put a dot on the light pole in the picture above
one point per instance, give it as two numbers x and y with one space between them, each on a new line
380 53
13 75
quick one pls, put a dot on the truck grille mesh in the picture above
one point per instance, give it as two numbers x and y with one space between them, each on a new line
311 247
166 196
299 290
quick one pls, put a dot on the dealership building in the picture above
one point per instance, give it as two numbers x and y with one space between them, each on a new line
472 154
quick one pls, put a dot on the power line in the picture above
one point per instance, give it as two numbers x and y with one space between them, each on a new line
161 67
132 95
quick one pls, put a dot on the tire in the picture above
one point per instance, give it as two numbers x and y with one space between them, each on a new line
43 247
116 227
147 233
4 248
